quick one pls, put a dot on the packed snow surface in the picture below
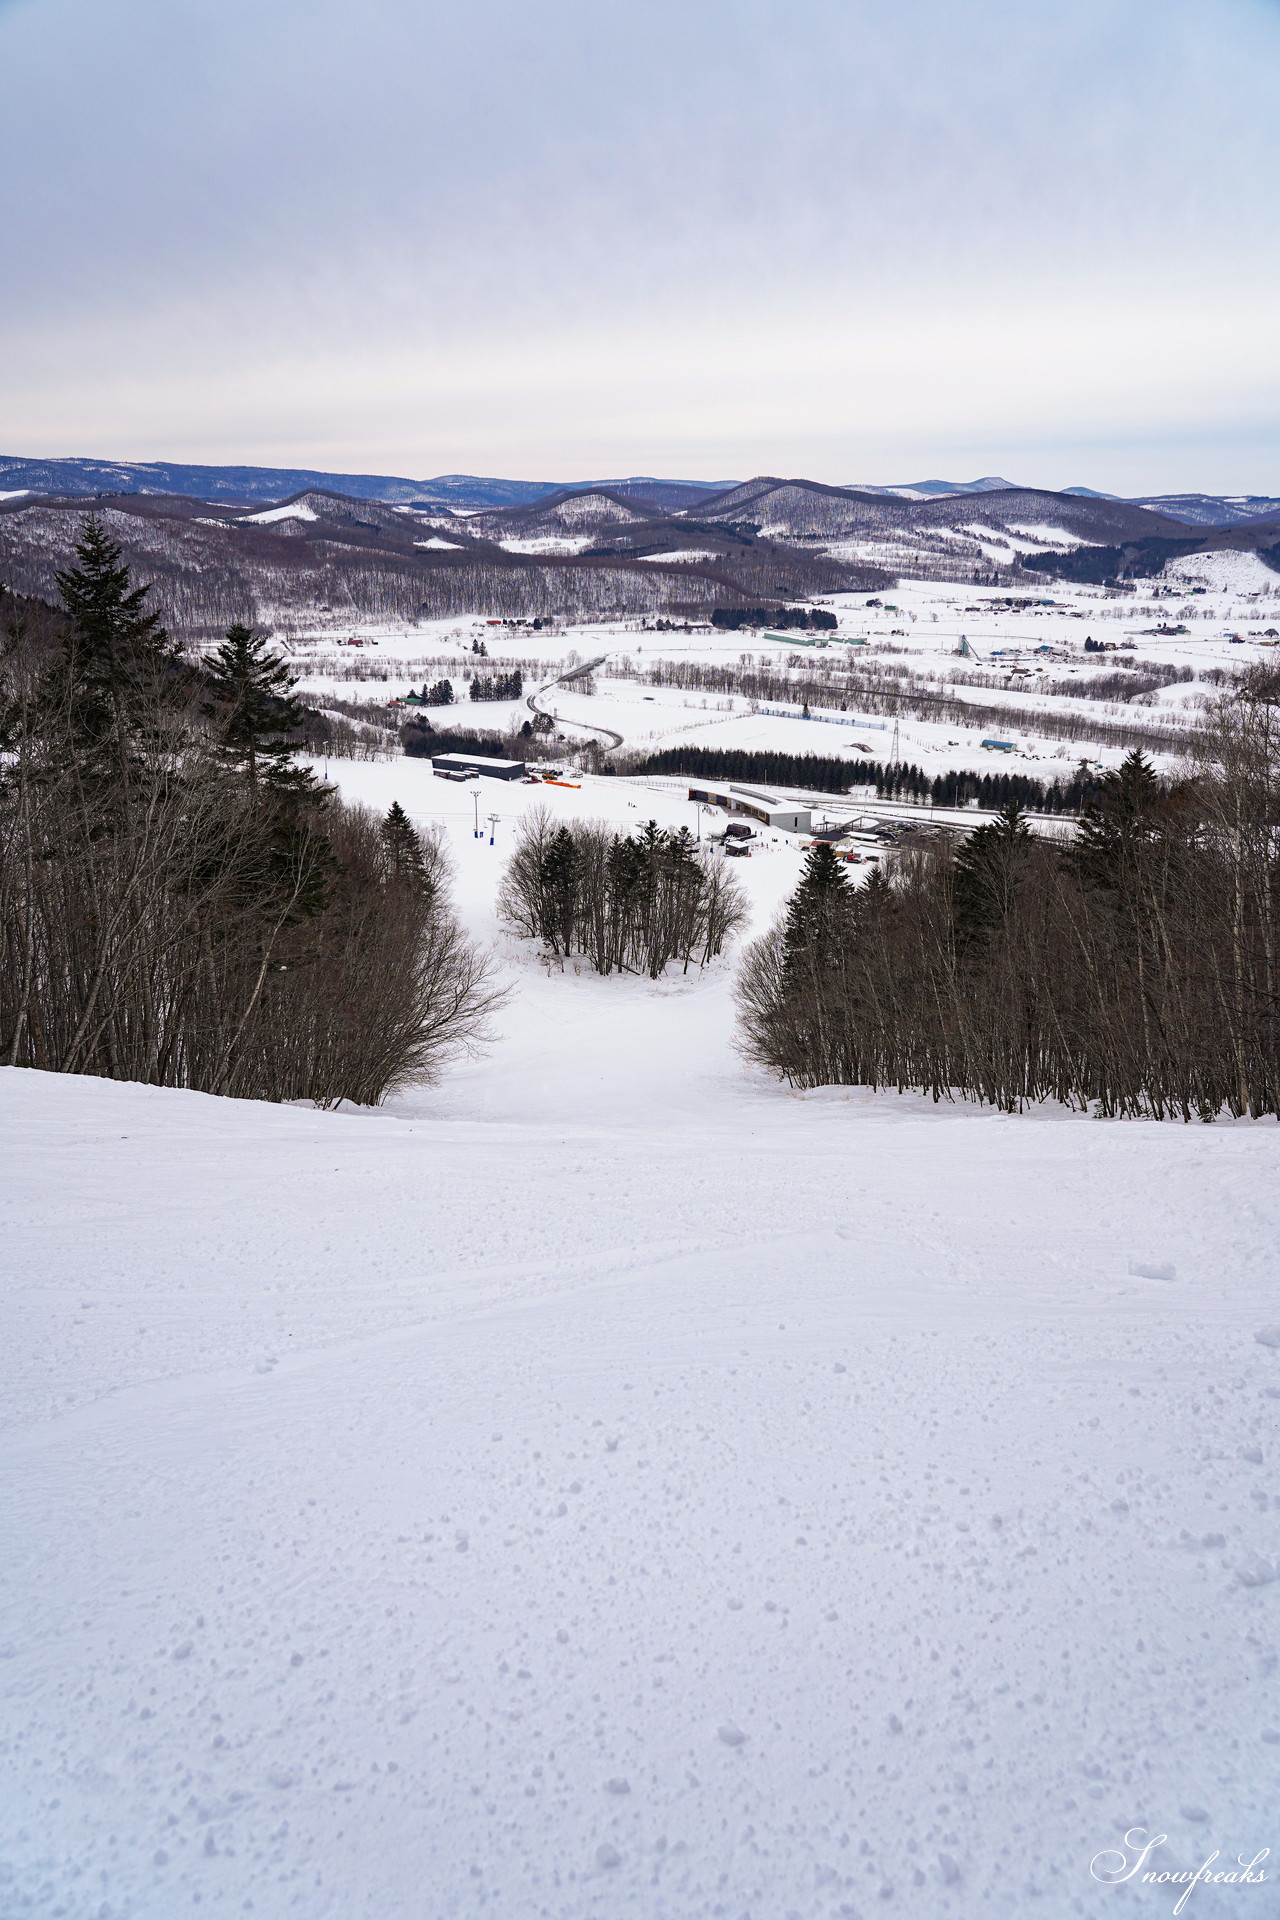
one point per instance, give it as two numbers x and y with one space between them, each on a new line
610 1484
296 510
548 543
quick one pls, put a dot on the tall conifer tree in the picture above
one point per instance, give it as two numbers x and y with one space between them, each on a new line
988 868
253 710
405 851
120 667
1124 812
818 914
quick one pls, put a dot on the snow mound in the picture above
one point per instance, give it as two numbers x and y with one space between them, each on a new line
1225 571
295 510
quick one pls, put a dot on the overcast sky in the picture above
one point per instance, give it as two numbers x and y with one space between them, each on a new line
854 239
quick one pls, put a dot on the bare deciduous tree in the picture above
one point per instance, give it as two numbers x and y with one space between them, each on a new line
629 903
179 904
1136 973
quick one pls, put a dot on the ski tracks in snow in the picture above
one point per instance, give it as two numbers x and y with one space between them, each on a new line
818 1513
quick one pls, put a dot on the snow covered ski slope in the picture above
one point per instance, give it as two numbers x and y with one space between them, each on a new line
609 1485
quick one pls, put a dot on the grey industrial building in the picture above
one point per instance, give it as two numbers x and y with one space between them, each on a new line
785 815
478 763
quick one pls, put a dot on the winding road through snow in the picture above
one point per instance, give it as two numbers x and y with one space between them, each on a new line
613 739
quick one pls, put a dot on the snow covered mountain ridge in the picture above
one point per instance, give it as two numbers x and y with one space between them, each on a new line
465 492
322 557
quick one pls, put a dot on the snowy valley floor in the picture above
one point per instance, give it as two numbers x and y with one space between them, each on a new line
609 1485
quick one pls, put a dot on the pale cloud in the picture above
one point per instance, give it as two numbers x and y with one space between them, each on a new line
825 237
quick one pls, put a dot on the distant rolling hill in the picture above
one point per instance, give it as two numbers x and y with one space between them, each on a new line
930 489
470 493
1192 509
978 536
253 484
1200 509
325 558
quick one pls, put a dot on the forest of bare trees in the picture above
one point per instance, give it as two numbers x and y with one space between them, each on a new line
180 902
882 687
1135 970
631 903
206 577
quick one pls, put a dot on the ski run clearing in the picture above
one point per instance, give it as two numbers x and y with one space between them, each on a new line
611 1485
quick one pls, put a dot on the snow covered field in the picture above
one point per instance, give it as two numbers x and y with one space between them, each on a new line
609 1484
1224 613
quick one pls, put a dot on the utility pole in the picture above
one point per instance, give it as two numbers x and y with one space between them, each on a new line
493 822
475 801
